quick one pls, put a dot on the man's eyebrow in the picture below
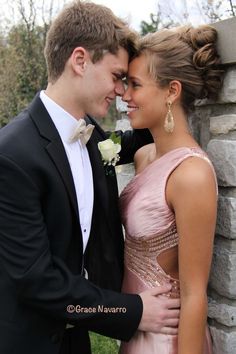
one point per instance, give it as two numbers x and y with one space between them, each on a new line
121 73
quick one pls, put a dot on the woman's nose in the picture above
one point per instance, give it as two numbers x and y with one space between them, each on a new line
126 95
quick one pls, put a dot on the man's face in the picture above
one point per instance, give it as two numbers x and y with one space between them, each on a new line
102 82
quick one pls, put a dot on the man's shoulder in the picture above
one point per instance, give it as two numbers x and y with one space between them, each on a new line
18 137
19 122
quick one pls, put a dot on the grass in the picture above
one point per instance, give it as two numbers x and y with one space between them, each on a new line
103 345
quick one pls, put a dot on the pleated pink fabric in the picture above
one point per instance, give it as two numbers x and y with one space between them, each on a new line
150 230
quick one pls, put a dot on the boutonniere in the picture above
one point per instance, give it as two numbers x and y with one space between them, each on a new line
109 150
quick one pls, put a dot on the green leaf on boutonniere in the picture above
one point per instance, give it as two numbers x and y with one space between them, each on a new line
115 139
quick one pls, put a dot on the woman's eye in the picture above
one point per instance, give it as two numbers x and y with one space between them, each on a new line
134 84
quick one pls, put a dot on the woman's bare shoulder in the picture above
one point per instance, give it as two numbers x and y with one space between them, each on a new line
142 156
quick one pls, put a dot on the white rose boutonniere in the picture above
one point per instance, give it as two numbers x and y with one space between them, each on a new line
109 150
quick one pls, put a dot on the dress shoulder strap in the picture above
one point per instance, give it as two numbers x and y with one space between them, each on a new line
181 154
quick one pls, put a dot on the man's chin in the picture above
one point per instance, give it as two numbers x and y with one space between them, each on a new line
98 113
101 115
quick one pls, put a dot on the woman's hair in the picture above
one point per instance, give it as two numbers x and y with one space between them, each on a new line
88 25
188 55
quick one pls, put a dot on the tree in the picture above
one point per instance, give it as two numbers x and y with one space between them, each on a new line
22 65
171 14
157 22
23 69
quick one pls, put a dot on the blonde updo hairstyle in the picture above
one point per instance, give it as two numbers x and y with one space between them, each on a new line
188 55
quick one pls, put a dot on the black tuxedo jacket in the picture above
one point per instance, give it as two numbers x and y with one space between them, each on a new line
41 258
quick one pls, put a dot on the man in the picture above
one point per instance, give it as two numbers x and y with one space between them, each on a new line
58 209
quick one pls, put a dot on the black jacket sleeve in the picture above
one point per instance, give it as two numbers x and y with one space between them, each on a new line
40 279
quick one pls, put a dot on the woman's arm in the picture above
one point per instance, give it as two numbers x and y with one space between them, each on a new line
191 192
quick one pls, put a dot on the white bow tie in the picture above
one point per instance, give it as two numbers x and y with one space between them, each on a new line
82 132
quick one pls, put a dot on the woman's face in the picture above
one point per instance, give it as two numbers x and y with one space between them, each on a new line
147 102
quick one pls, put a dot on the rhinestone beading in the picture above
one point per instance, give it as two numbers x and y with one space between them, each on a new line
141 258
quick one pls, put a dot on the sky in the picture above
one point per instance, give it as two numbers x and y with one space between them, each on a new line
134 11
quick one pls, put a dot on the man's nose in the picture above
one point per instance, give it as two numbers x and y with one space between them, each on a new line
120 88
126 95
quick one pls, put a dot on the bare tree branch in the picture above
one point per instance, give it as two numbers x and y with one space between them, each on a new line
232 8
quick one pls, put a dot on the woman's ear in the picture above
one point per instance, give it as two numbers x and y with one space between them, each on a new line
175 89
79 58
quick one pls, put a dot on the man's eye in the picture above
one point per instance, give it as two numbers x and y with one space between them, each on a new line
118 77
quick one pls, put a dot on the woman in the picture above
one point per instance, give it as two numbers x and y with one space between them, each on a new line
169 207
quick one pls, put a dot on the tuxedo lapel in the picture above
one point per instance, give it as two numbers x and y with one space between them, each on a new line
57 154
99 177
54 147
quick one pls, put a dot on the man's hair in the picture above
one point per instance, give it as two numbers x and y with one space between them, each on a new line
88 25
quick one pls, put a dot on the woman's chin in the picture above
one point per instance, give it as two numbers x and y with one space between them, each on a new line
136 125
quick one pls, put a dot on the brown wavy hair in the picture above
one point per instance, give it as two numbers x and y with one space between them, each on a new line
88 25
188 55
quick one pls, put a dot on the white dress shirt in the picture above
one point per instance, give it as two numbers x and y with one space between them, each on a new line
79 161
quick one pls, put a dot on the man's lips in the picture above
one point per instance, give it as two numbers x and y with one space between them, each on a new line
109 100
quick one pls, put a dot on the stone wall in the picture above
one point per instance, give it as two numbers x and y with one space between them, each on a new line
214 126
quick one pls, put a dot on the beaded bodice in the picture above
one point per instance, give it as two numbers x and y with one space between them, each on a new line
149 222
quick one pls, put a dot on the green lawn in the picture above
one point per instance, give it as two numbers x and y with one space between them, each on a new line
103 345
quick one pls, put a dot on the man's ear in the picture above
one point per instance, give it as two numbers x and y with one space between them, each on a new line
79 58
175 89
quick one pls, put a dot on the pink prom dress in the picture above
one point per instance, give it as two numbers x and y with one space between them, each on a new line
150 230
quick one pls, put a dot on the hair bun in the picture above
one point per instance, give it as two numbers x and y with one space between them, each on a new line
199 36
205 56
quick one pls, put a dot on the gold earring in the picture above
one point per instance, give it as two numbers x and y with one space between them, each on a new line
169 120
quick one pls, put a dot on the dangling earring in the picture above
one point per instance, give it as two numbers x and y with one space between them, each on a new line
169 120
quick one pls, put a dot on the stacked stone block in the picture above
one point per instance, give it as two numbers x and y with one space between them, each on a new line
221 148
